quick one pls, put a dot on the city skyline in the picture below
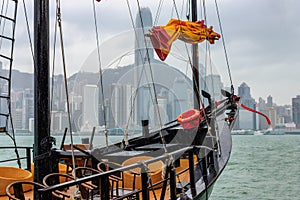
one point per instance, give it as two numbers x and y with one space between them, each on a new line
258 53
23 113
143 107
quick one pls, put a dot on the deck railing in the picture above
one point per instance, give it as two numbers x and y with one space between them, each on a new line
27 156
104 176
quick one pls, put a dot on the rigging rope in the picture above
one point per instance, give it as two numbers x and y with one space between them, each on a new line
65 79
3 13
28 30
2 7
100 72
53 64
140 75
9 91
154 100
213 123
190 60
152 78
143 68
9 118
224 47
139 81
158 11
188 11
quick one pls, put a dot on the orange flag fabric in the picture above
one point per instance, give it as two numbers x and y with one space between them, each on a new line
162 37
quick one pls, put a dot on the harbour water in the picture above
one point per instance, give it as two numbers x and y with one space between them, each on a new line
262 167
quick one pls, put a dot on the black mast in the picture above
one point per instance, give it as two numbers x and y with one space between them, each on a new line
195 62
42 142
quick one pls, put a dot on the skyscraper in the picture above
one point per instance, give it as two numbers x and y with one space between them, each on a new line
214 85
121 104
142 54
269 101
262 107
246 120
28 108
296 110
180 102
90 106
143 22
244 93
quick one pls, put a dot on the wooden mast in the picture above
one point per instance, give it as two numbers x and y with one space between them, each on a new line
42 141
195 62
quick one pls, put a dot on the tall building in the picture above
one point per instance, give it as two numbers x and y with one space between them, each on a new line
296 110
59 121
262 107
143 19
244 91
59 94
28 108
76 110
142 54
272 116
269 101
246 119
214 86
121 104
90 107
18 117
284 114
180 101
158 112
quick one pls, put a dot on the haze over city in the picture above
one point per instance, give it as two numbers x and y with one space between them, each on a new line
261 38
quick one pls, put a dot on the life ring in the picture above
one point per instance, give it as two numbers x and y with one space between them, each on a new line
189 119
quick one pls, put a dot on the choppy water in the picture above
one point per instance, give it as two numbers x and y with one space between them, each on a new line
260 167
263 168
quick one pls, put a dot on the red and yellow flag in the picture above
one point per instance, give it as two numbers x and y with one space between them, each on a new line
162 37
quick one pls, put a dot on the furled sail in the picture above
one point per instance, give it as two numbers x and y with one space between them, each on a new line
162 37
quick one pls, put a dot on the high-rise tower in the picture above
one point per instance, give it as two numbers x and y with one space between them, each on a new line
90 107
296 110
143 56
246 120
244 93
143 22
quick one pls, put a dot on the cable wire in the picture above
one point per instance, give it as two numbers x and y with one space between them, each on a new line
65 78
100 71
224 46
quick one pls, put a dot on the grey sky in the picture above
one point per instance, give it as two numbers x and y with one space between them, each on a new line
262 39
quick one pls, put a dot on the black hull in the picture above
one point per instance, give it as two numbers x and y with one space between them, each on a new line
201 154
211 148
225 146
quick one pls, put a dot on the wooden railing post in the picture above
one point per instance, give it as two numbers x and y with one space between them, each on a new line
104 184
173 182
191 171
144 176
28 156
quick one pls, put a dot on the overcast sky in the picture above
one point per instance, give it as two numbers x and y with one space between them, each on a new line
262 38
